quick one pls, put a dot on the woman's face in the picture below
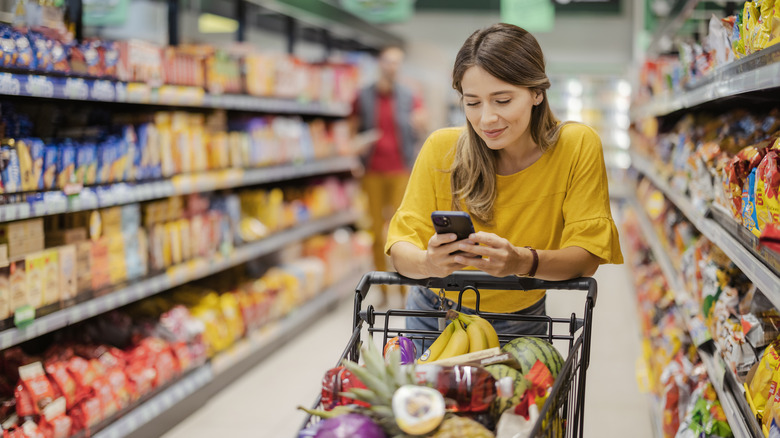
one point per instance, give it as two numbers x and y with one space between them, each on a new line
499 112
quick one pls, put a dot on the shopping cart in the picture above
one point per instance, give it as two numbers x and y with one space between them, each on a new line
566 403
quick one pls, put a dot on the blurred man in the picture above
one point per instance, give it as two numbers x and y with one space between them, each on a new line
396 118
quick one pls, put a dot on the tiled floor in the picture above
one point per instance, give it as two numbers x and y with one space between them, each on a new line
263 402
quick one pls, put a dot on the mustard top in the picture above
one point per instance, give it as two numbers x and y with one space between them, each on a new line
561 200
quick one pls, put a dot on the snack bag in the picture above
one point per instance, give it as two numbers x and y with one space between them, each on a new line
66 167
37 385
30 153
767 187
42 49
7 47
763 29
761 384
63 382
55 423
749 204
24 52
12 175
49 177
109 58
59 57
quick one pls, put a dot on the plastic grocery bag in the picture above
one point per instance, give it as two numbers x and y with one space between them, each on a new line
512 425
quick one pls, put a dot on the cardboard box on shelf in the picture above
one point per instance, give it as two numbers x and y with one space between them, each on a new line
84 266
22 238
5 292
100 268
67 272
66 236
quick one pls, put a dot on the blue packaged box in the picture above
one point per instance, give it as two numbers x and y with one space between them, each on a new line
49 176
66 166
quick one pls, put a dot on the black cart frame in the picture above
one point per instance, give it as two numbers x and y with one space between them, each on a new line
563 411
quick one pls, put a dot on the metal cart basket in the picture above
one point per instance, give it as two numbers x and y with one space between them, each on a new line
563 411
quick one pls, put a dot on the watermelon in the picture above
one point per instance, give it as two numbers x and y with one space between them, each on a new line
527 350
500 404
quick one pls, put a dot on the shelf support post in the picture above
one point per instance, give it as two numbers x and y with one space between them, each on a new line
292 34
173 22
241 17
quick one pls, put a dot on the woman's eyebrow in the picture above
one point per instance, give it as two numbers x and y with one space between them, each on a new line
492 94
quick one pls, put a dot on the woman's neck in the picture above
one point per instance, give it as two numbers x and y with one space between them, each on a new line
518 157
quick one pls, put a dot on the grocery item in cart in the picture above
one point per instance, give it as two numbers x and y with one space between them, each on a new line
527 350
404 346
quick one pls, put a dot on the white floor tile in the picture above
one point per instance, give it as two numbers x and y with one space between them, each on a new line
264 400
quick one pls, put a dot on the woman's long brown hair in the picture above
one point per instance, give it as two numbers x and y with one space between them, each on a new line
512 55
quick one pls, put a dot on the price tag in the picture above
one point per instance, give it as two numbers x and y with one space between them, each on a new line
9 84
138 92
120 92
104 91
76 89
23 316
23 210
12 212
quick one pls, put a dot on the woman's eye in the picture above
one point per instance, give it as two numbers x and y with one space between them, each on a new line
472 103
503 102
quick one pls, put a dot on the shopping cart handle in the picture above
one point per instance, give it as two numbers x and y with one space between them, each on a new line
459 280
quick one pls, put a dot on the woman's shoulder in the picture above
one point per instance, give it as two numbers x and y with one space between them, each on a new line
577 138
441 142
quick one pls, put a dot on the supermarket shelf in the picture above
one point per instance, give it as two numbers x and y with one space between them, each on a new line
715 368
98 90
171 406
754 267
175 276
679 13
91 198
758 71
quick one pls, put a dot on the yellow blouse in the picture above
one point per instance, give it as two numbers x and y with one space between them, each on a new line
561 200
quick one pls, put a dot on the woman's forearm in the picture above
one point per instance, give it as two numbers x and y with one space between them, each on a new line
409 260
565 264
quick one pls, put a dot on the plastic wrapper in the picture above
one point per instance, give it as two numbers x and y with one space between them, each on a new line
761 383
770 237
335 382
37 386
705 416
767 188
675 395
749 204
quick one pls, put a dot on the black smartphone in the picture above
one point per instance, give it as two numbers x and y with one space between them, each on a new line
458 222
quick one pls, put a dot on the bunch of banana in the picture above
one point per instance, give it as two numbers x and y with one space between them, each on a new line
466 334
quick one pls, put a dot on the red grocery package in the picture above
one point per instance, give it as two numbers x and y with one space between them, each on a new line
63 381
142 376
335 382
182 353
24 404
31 430
82 371
55 423
37 385
14 433
770 237
105 392
86 414
122 387
541 381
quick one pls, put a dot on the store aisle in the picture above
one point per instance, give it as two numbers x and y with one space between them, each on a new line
263 402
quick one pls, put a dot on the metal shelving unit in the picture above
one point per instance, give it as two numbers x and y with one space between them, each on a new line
712 362
755 72
91 198
99 90
199 384
175 276
760 274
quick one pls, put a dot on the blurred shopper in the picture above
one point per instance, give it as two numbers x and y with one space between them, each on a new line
393 116
535 188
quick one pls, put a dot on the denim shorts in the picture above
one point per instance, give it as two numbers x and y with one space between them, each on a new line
421 298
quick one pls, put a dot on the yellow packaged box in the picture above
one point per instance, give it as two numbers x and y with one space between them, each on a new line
35 278
84 266
51 276
67 272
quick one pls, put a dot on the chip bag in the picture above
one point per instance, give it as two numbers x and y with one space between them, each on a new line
761 384
767 187
749 204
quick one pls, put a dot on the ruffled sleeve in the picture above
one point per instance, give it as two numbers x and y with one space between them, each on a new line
597 236
587 217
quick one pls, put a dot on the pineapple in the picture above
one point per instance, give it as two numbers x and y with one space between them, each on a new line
456 427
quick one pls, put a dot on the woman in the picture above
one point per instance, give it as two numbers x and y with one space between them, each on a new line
535 188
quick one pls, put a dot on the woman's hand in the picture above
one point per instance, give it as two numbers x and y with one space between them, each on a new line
439 260
499 257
